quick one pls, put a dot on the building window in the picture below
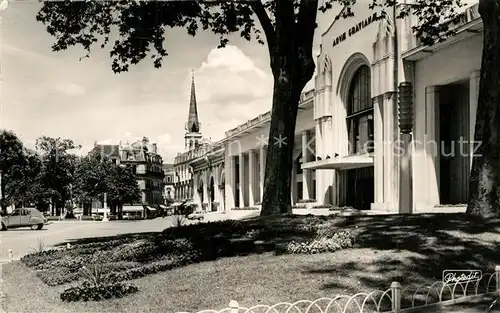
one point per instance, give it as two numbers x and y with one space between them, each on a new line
313 195
300 194
298 164
360 112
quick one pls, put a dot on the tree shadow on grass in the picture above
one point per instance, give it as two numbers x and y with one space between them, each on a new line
410 249
213 240
418 248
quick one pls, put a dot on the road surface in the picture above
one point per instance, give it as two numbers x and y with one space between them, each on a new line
24 240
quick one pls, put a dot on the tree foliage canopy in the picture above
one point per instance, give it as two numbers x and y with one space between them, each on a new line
58 167
142 26
95 175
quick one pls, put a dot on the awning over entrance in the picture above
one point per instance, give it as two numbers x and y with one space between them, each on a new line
345 163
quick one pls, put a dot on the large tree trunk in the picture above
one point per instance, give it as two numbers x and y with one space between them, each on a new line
292 64
279 158
3 207
485 174
120 211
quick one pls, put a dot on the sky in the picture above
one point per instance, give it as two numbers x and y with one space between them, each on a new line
55 94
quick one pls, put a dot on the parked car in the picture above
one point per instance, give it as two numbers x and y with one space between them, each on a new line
26 217
97 217
185 208
196 216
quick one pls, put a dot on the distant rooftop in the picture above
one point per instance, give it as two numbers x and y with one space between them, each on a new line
168 167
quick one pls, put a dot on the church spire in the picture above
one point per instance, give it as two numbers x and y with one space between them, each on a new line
193 125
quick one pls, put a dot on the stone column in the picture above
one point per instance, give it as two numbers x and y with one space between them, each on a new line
229 183
391 159
293 183
319 173
242 179
196 196
306 174
378 151
473 98
251 177
262 170
329 182
432 144
216 191
206 197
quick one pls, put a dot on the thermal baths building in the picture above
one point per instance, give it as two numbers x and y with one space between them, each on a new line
347 128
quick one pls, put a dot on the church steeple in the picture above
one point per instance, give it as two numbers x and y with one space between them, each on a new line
193 125
193 137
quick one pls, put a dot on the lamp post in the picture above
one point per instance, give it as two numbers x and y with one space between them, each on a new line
105 206
105 209
405 108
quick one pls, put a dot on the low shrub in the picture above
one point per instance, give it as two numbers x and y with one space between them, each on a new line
251 234
341 208
307 201
450 205
88 292
104 244
72 263
98 275
247 208
122 266
177 245
57 276
35 259
156 267
322 206
135 251
326 241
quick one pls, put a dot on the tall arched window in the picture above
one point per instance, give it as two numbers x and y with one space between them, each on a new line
360 112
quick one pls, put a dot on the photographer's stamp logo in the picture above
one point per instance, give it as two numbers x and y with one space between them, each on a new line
461 276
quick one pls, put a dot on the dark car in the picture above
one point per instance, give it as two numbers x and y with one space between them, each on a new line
184 208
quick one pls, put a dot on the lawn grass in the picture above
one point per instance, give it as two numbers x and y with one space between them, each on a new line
409 249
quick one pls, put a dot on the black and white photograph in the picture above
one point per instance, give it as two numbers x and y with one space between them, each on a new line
250 156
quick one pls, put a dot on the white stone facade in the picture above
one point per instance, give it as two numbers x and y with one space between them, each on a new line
347 128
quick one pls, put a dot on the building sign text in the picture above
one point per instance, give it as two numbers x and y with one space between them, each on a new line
356 28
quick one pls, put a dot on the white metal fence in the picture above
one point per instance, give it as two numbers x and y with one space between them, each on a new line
394 299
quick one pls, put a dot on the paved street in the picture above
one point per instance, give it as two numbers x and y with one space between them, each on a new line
24 240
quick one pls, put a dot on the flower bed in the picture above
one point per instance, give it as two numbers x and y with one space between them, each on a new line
129 258
87 292
326 241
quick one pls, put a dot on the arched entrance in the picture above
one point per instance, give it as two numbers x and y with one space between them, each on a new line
212 194
222 188
200 191
360 128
